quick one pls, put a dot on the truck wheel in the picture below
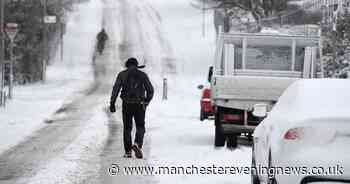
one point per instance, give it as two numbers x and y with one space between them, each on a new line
250 137
219 137
232 142
271 176
254 176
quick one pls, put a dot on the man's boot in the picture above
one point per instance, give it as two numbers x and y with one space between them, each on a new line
138 151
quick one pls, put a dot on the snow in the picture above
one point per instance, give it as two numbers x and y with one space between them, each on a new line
268 30
80 160
32 104
178 138
298 2
318 110
174 136
182 26
314 98
299 30
307 101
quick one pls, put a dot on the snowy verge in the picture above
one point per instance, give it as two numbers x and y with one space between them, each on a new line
32 104
80 161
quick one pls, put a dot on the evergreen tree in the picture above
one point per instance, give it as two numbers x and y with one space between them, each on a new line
28 15
338 45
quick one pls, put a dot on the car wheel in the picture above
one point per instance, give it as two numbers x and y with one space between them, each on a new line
254 176
232 141
202 116
219 137
271 179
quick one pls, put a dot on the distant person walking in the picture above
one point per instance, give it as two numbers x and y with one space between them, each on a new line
137 92
102 37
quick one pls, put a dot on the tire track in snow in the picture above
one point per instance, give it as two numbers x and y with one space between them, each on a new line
145 39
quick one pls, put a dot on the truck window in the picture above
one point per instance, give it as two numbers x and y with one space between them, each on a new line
269 57
268 54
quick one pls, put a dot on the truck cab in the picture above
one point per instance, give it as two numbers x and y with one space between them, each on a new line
251 69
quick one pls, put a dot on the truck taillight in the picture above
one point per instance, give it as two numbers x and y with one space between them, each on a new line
294 134
206 93
233 117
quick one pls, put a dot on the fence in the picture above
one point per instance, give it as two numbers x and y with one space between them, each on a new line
328 9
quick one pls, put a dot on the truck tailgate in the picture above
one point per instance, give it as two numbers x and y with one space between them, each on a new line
249 88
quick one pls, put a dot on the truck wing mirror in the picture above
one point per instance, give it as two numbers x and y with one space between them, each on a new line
260 110
210 73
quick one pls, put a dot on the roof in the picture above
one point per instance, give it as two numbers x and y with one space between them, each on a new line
315 99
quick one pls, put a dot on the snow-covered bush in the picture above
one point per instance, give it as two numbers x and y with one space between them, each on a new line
338 68
337 49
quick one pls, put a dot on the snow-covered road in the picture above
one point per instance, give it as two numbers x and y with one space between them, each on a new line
67 146
83 140
175 136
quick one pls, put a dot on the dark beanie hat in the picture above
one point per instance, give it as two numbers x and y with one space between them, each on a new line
131 62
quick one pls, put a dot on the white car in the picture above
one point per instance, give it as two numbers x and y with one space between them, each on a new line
306 136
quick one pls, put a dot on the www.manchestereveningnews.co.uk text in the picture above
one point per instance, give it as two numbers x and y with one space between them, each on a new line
115 169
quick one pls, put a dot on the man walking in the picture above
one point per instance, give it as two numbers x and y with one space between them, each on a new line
102 37
137 92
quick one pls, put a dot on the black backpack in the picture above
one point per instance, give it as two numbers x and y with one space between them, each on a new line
134 88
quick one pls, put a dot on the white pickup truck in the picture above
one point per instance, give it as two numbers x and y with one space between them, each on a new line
253 70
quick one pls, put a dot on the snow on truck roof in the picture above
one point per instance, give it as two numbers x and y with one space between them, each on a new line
269 35
315 99
270 39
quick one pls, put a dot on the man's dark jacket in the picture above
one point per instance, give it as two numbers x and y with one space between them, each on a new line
146 88
102 36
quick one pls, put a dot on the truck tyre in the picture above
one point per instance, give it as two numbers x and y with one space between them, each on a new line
254 176
219 137
219 134
271 176
250 137
232 142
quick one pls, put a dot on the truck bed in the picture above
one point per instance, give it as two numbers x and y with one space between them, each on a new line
242 92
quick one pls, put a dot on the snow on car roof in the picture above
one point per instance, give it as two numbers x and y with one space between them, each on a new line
314 99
